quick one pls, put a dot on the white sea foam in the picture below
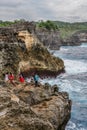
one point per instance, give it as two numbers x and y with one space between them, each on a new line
75 66
72 126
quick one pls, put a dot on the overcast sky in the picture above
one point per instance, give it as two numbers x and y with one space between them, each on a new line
62 10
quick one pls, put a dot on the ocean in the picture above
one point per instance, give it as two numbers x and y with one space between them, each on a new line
74 81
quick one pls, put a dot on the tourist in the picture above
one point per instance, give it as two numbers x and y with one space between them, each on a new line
36 79
6 77
28 80
21 78
11 78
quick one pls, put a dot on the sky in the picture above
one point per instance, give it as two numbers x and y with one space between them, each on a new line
35 10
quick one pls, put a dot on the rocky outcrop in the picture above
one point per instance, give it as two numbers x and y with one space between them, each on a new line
27 107
22 51
15 58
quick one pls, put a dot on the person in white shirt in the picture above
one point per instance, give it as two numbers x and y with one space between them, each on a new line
6 77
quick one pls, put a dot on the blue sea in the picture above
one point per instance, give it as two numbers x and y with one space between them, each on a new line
74 81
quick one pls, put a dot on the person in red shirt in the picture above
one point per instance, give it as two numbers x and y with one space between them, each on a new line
21 78
11 78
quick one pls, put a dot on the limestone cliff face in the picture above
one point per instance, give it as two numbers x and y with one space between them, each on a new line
28 38
21 50
82 36
76 39
33 108
50 38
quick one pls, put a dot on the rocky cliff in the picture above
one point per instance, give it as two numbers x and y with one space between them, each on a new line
53 39
26 107
22 51
76 39
50 38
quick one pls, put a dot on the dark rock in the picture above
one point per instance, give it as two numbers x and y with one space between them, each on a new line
47 86
55 88
50 38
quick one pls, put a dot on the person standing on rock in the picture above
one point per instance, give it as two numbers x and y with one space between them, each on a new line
6 77
21 78
36 79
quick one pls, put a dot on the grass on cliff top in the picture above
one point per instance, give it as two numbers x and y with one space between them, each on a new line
67 29
8 23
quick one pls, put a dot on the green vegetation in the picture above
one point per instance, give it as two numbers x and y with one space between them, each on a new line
48 25
66 29
8 23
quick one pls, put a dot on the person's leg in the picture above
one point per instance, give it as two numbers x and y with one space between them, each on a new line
12 82
36 83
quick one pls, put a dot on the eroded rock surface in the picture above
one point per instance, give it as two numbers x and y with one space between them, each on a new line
26 107
76 39
22 51
50 38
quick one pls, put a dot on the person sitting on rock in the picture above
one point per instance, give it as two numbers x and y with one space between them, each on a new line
6 77
28 79
21 78
11 78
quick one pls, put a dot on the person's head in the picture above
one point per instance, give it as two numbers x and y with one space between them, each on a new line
10 73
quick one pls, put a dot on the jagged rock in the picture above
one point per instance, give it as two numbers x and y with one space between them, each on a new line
47 86
46 112
55 88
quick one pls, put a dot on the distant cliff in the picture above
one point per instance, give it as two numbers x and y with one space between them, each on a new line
76 39
56 33
50 38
